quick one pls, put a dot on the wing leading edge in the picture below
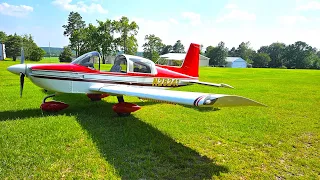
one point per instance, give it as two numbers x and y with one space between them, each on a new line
179 97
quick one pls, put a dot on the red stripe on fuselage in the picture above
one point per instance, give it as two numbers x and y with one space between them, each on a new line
101 81
162 72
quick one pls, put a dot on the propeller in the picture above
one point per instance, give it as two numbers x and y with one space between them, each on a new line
22 75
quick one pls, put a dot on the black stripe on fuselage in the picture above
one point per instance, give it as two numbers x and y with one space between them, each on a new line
100 81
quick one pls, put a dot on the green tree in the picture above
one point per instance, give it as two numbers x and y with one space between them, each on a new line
13 46
232 52
178 47
127 31
75 22
3 37
299 55
152 47
66 55
77 41
37 54
217 54
261 60
245 52
74 30
29 46
166 49
132 45
276 52
105 37
90 40
316 63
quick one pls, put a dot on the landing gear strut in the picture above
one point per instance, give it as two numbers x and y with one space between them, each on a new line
49 96
52 106
123 108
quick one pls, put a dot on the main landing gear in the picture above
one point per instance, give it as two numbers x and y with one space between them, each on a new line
123 108
97 97
52 106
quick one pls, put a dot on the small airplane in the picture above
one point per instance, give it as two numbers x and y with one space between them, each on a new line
129 75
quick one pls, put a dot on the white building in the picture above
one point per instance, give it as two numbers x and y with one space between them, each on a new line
2 51
236 62
170 57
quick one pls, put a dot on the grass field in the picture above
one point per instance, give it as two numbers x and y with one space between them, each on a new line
163 141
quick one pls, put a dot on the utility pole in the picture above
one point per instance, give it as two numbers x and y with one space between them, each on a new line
49 51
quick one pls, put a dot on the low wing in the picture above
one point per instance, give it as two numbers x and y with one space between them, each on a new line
207 83
179 97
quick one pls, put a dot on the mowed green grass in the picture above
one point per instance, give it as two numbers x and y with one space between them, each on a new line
164 141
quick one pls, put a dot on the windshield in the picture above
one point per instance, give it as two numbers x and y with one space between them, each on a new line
88 59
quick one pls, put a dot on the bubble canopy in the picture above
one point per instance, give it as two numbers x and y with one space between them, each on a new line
88 59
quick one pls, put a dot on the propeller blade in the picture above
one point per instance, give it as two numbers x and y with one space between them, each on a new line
22 56
21 83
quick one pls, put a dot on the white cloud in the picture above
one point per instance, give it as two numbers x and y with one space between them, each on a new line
194 18
80 6
231 6
291 20
311 5
158 28
236 14
12 10
173 21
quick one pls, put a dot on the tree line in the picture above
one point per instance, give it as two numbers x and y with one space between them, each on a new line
107 37
110 37
14 43
299 55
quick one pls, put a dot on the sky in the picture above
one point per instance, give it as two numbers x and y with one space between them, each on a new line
205 22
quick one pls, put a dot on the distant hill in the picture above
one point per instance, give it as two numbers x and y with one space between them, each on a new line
55 51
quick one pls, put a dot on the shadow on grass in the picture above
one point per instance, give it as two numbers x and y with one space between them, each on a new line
136 149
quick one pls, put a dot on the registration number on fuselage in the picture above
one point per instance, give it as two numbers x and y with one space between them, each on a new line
165 82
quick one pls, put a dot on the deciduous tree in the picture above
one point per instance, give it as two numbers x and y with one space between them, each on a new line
166 49
245 52
261 60
276 52
3 37
217 54
299 55
13 46
152 48
66 55
178 47
37 54
74 30
127 31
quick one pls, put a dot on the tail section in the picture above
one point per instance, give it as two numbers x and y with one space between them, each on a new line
190 65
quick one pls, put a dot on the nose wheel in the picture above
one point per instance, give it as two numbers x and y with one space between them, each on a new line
52 106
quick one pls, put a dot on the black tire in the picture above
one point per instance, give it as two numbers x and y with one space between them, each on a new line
123 114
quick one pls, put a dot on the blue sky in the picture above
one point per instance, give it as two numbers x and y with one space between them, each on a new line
205 22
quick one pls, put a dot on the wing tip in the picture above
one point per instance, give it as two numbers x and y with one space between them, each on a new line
232 101
226 86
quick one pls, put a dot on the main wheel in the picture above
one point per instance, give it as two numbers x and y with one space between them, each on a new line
123 114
